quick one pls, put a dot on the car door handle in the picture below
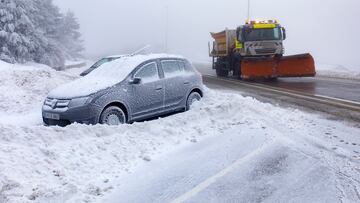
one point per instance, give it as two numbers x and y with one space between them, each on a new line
186 83
159 88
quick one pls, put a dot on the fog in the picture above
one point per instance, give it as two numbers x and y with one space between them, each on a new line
327 29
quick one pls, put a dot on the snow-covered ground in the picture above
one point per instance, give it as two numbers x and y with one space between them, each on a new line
84 163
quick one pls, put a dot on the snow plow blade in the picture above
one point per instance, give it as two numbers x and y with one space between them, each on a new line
302 65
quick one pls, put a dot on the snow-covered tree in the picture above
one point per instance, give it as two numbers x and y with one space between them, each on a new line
48 19
17 31
36 30
71 36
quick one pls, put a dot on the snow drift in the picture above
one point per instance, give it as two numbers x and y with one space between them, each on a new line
24 88
338 71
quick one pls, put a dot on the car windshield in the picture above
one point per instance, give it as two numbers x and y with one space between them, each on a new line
262 34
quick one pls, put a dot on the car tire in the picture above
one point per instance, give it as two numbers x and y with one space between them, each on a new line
113 115
194 96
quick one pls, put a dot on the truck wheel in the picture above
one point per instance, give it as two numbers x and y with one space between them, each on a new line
113 115
222 72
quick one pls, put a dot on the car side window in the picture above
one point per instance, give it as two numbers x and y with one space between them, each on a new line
171 68
148 73
189 67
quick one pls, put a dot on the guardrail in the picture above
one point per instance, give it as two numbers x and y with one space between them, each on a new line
77 65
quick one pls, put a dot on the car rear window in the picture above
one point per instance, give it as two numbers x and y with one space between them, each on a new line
186 66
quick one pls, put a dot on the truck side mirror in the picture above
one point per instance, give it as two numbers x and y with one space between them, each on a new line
284 33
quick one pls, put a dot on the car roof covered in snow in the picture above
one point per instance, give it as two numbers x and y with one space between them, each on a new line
105 76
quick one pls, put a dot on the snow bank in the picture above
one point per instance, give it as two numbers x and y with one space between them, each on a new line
81 163
105 76
23 89
338 71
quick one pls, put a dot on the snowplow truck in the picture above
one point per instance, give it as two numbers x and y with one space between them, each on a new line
256 51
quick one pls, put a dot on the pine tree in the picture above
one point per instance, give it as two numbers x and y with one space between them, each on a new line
71 36
48 19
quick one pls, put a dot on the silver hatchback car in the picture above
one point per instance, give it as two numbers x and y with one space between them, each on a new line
128 89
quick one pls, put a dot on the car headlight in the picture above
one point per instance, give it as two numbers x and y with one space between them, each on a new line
77 102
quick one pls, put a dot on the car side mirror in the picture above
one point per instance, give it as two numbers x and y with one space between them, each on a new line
135 81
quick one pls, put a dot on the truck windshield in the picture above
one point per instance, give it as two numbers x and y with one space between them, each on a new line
263 34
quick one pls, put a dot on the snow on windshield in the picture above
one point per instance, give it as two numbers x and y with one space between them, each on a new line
105 76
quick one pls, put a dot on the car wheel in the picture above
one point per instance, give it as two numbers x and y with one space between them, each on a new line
113 115
193 97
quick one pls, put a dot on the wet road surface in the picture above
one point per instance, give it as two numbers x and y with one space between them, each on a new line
330 87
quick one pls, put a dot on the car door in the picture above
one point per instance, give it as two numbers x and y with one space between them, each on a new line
148 95
175 87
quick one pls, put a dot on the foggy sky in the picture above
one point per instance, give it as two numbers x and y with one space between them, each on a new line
328 29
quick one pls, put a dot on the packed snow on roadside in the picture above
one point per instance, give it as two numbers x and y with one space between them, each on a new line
81 163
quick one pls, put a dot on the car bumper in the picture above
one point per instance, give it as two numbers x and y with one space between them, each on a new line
65 116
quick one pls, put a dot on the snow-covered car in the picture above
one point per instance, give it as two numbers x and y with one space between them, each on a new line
99 63
129 89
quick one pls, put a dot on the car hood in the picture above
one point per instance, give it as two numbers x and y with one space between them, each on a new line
82 87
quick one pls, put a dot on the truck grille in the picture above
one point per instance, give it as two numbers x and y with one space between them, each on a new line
265 51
